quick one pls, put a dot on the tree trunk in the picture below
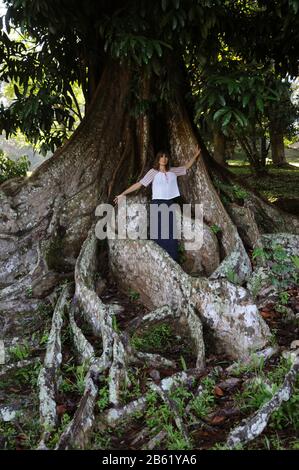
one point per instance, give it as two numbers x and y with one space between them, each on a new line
47 231
277 147
219 147
264 150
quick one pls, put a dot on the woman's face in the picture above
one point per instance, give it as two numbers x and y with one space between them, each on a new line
163 160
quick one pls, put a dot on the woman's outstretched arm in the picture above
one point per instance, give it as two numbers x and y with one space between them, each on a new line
132 188
195 157
145 181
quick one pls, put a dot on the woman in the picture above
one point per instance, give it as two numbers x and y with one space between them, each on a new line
164 191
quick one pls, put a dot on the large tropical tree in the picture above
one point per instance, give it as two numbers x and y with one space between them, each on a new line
132 60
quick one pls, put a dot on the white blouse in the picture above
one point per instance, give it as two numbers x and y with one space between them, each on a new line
164 185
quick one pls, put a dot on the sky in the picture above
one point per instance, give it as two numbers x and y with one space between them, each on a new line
2 8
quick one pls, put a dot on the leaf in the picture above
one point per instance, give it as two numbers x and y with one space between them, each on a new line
149 50
266 314
60 409
174 22
260 104
227 118
222 100
164 5
219 113
240 118
218 391
231 87
295 260
158 48
295 6
217 419
183 362
245 100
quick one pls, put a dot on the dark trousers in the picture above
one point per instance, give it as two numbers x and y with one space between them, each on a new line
158 221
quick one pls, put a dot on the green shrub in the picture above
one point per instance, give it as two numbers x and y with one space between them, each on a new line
10 168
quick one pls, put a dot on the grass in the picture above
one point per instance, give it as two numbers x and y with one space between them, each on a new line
163 339
279 182
157 337
261 388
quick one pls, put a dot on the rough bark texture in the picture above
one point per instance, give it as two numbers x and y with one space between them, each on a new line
47 235
255 425
219 141
226 309
277 146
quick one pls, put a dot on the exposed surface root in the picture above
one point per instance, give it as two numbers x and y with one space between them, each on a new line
255 425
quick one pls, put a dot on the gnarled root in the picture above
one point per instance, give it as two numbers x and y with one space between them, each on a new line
225 308
255 425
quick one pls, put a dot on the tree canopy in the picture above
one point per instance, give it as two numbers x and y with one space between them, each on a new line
64 43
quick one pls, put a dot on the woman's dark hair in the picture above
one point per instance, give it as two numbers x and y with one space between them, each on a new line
156 165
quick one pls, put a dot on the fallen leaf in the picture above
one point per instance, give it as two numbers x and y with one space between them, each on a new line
217 419
229 384
266 314
218 391
60 409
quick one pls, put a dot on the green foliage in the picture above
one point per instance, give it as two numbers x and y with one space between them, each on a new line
10 168
133 295
44 339
175 439
183 362
295 260
203 403
54 254
29 292
101 440
45 309
254 365
115 324
132 389
55 435
25 426
20 351
231 192
288 414
256 284
159 417
215 228
181 253
180 396
74 378
260 390
255 394
157 337
27 376
50 49
103 396
284 269
232 276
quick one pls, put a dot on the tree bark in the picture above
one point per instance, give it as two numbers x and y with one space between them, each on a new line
277 146
219 147
47 234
